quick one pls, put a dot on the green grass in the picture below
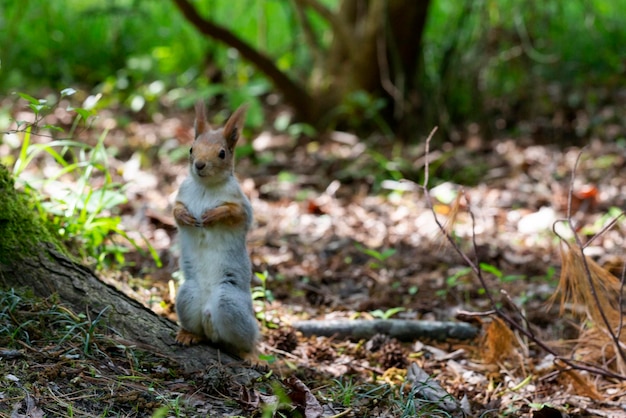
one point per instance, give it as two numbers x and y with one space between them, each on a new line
24 318
83 215
51 350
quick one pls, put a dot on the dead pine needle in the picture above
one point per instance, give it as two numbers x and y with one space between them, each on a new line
595 290
593 294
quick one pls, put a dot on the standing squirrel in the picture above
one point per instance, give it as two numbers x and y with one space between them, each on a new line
213 217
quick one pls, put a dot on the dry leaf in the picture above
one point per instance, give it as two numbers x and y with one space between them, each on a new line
581 386
498 342
305 400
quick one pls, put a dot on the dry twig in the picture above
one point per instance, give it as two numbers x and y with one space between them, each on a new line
522 326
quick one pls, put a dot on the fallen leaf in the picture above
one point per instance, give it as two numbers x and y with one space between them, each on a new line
301 395
429 389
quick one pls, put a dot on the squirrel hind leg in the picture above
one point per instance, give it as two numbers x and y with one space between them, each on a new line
187 338
236 324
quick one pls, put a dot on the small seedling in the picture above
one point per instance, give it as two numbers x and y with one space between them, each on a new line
78 326
386 314
453 281
504 278
261 295
379 256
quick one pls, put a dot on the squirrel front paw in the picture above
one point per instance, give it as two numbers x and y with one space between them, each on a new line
210 216
183 216
228 213
187 338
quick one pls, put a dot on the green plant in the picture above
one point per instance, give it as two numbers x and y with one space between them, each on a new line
453 281
360 106
344 391
612 216
10 301
261 295
78 211
378 313
411 404
283 123
283 403
549 277
172 407
504 278
379 256
59 323
79 326
363 396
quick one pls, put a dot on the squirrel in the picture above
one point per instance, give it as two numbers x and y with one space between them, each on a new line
213 217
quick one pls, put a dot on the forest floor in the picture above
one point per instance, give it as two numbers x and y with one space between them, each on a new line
338 236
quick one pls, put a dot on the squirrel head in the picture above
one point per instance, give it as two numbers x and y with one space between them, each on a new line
211 157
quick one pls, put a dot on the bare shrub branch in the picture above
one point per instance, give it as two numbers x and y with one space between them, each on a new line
524 327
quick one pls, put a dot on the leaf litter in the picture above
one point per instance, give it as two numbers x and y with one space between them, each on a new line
341 239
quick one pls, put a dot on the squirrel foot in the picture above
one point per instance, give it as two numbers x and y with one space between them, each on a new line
187 338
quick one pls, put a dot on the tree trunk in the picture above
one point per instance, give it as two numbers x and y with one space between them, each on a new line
28 262
383 53
375 49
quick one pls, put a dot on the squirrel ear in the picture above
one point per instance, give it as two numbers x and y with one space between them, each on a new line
201 123
232 129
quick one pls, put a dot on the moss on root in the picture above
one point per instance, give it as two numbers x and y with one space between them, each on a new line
21 229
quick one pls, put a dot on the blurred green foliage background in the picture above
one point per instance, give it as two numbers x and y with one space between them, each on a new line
495 62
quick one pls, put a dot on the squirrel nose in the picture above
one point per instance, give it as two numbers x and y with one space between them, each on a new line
200 165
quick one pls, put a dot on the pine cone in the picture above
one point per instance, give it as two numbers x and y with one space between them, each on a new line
392 355
284 339
319 352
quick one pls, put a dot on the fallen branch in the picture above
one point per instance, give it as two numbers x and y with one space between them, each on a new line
401 329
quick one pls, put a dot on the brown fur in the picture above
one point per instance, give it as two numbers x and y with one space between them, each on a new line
182 215
228 213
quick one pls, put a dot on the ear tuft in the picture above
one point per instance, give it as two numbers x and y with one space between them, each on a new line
201 123
232 129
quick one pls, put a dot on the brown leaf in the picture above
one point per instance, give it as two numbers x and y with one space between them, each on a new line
301 395
498 342
581 385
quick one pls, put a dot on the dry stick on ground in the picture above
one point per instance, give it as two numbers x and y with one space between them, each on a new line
473 265
403 330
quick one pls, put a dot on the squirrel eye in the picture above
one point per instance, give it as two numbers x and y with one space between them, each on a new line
222 154
190 151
